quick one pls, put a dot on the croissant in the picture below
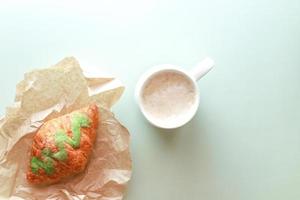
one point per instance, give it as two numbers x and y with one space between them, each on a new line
62 146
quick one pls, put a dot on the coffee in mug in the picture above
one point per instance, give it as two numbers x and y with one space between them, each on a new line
168 96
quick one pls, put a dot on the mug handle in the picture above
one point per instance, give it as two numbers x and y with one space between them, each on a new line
202 68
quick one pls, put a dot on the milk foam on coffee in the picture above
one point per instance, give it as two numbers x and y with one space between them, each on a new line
168 96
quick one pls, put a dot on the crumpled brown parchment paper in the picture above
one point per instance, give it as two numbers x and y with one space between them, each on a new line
48 93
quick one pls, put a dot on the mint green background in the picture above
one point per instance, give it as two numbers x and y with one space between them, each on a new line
243 143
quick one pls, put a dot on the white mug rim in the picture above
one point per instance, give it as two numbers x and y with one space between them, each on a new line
160 68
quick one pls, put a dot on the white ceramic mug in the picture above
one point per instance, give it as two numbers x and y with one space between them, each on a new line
192 76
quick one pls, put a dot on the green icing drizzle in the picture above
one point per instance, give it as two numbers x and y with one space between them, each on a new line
78 121
46 164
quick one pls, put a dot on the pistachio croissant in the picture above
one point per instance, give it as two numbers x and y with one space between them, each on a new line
62 146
